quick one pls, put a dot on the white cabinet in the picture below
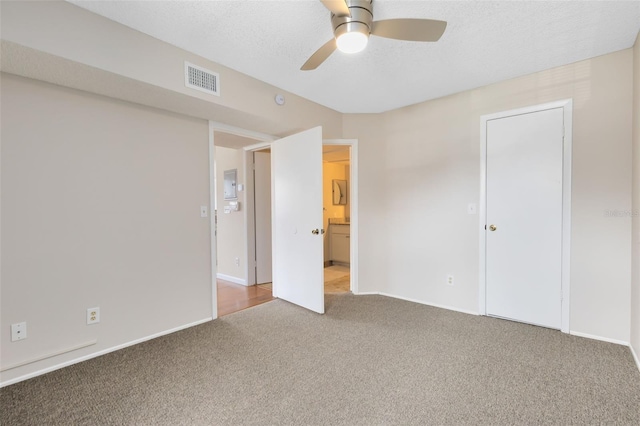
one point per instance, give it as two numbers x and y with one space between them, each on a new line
339 248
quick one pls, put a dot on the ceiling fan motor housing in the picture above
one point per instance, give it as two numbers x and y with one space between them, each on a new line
361 19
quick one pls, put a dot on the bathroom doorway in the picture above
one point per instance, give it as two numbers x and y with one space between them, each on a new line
336 183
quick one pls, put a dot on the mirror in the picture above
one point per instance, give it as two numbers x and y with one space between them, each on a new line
230 177
339 192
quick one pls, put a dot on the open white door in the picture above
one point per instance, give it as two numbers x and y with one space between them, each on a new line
298 274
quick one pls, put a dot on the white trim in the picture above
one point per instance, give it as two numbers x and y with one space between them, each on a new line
368 293
566 214
274 284
602 339
257 146
249 211
226 128
102 352
212 222
482 292
354 221
635 356
231 278
50 355
435 305
249 218
567 106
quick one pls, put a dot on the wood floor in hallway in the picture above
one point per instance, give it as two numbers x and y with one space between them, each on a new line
236 297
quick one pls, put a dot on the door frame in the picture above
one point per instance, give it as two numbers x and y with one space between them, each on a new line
215 126
249 211
353 202
565 280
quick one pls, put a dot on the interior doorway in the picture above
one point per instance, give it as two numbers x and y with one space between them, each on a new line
233 182
336 189
298 275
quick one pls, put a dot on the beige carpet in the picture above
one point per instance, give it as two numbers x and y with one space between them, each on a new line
370 360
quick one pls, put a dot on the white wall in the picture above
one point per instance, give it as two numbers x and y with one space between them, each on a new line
635 288
100 207
421 167
89 52
232 232
374 211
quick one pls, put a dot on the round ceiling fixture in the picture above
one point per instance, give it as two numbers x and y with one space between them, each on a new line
352 37
279 99
352 31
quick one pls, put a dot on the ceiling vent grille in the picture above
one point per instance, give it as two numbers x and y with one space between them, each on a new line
201 79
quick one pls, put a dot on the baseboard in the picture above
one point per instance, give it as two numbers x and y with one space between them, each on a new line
99 353
327 263
635 357
594 337
232 279
367 293
450 308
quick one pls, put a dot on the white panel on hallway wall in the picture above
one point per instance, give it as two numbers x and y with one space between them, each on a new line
231 227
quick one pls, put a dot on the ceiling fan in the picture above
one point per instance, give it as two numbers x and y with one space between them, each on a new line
353 23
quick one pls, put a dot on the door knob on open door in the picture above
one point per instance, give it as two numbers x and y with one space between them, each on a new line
493 227
315 231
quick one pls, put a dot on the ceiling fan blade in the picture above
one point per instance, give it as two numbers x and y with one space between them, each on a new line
337 7
410 29
320 56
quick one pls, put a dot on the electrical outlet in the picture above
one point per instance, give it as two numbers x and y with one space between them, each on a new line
449 279
93 315
204 211
237 261
18 331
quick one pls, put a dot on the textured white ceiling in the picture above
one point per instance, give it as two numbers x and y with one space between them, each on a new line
485 42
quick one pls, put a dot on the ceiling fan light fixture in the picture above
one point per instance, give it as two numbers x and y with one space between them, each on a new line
352 42
352 37
352 23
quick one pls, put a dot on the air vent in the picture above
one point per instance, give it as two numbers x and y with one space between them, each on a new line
201 79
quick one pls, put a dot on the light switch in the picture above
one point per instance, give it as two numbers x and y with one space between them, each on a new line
472 208
203 211
240 187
